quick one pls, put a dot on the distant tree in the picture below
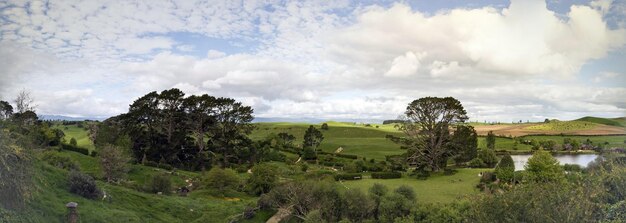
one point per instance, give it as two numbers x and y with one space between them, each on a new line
488 156
546 121
6 110
426 127
24 102
324 126
264 177
548 144
312 139
543 167
505 168
113 162
491 140
464 142
73 142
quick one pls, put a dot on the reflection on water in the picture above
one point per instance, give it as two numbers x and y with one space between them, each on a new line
580 159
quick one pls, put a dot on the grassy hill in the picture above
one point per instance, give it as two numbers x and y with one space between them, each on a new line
605 121
556 125
78 133
128 204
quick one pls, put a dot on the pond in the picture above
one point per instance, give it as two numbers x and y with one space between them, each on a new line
580 159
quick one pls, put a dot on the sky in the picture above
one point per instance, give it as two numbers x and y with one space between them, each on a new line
334 60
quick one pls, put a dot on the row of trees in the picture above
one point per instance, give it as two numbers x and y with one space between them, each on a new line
192 132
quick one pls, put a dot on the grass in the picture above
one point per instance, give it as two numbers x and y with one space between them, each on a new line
128 205
437 188
556 125
80 134
605 121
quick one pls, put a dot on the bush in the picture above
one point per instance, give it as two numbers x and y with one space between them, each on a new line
151 163
60 161
421 174
264 177
75 149
83 185
406 192
159 183
93 153
449 172
476 163
386 175
489 157
505 168
572 167
347 156
348 176
73 142
304 167
487 177
221 180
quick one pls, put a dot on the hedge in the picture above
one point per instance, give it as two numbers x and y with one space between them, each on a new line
348 156
329 163
386 175
348 176
75 149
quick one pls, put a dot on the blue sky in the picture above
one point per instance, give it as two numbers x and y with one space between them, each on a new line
505 61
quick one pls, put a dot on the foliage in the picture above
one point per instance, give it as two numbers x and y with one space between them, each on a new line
264 177
406 191
113 162
73 142
324 126
159 183
81 150
427 130
221 180
386 175
491 140
476 163
543 167
83 185
348 176
312 139
357 205
489 157
6 110
394 206
15 173
505 168
59 161
465 142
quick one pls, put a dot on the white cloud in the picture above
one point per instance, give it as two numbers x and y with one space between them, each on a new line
403 66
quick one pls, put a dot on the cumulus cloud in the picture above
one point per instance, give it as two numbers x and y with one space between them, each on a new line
315 59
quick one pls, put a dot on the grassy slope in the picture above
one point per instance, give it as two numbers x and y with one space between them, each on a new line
354 139
606 121
437 188
80 134
128 205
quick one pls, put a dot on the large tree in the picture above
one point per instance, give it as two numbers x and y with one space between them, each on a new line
231 129
491 140
6 110
464 142
24 102
427 127
312 139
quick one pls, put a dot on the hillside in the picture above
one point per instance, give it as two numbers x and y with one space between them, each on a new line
605 121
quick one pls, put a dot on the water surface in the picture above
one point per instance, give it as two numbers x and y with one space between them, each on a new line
581 159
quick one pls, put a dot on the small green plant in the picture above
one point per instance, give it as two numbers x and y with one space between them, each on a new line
159 183
83 185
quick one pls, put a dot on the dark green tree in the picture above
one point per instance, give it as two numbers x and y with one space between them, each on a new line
543 167
264 177
324 126
491 140
464 142
426 127
488 156
6 110
505 168
312 139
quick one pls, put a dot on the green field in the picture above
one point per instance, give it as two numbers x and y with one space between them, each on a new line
80 134
355 139
439 188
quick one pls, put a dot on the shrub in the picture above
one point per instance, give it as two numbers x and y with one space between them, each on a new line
487 177
422 174
75 149
347 156
348 176
324 126
476 163
386 175
150 163
488 156
73 142
304 167
60 161
543 167
221 180
159 183
406 192
83 185
113 163
505 168
572 167
264 177
93 153
166 166
357 206
449 172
